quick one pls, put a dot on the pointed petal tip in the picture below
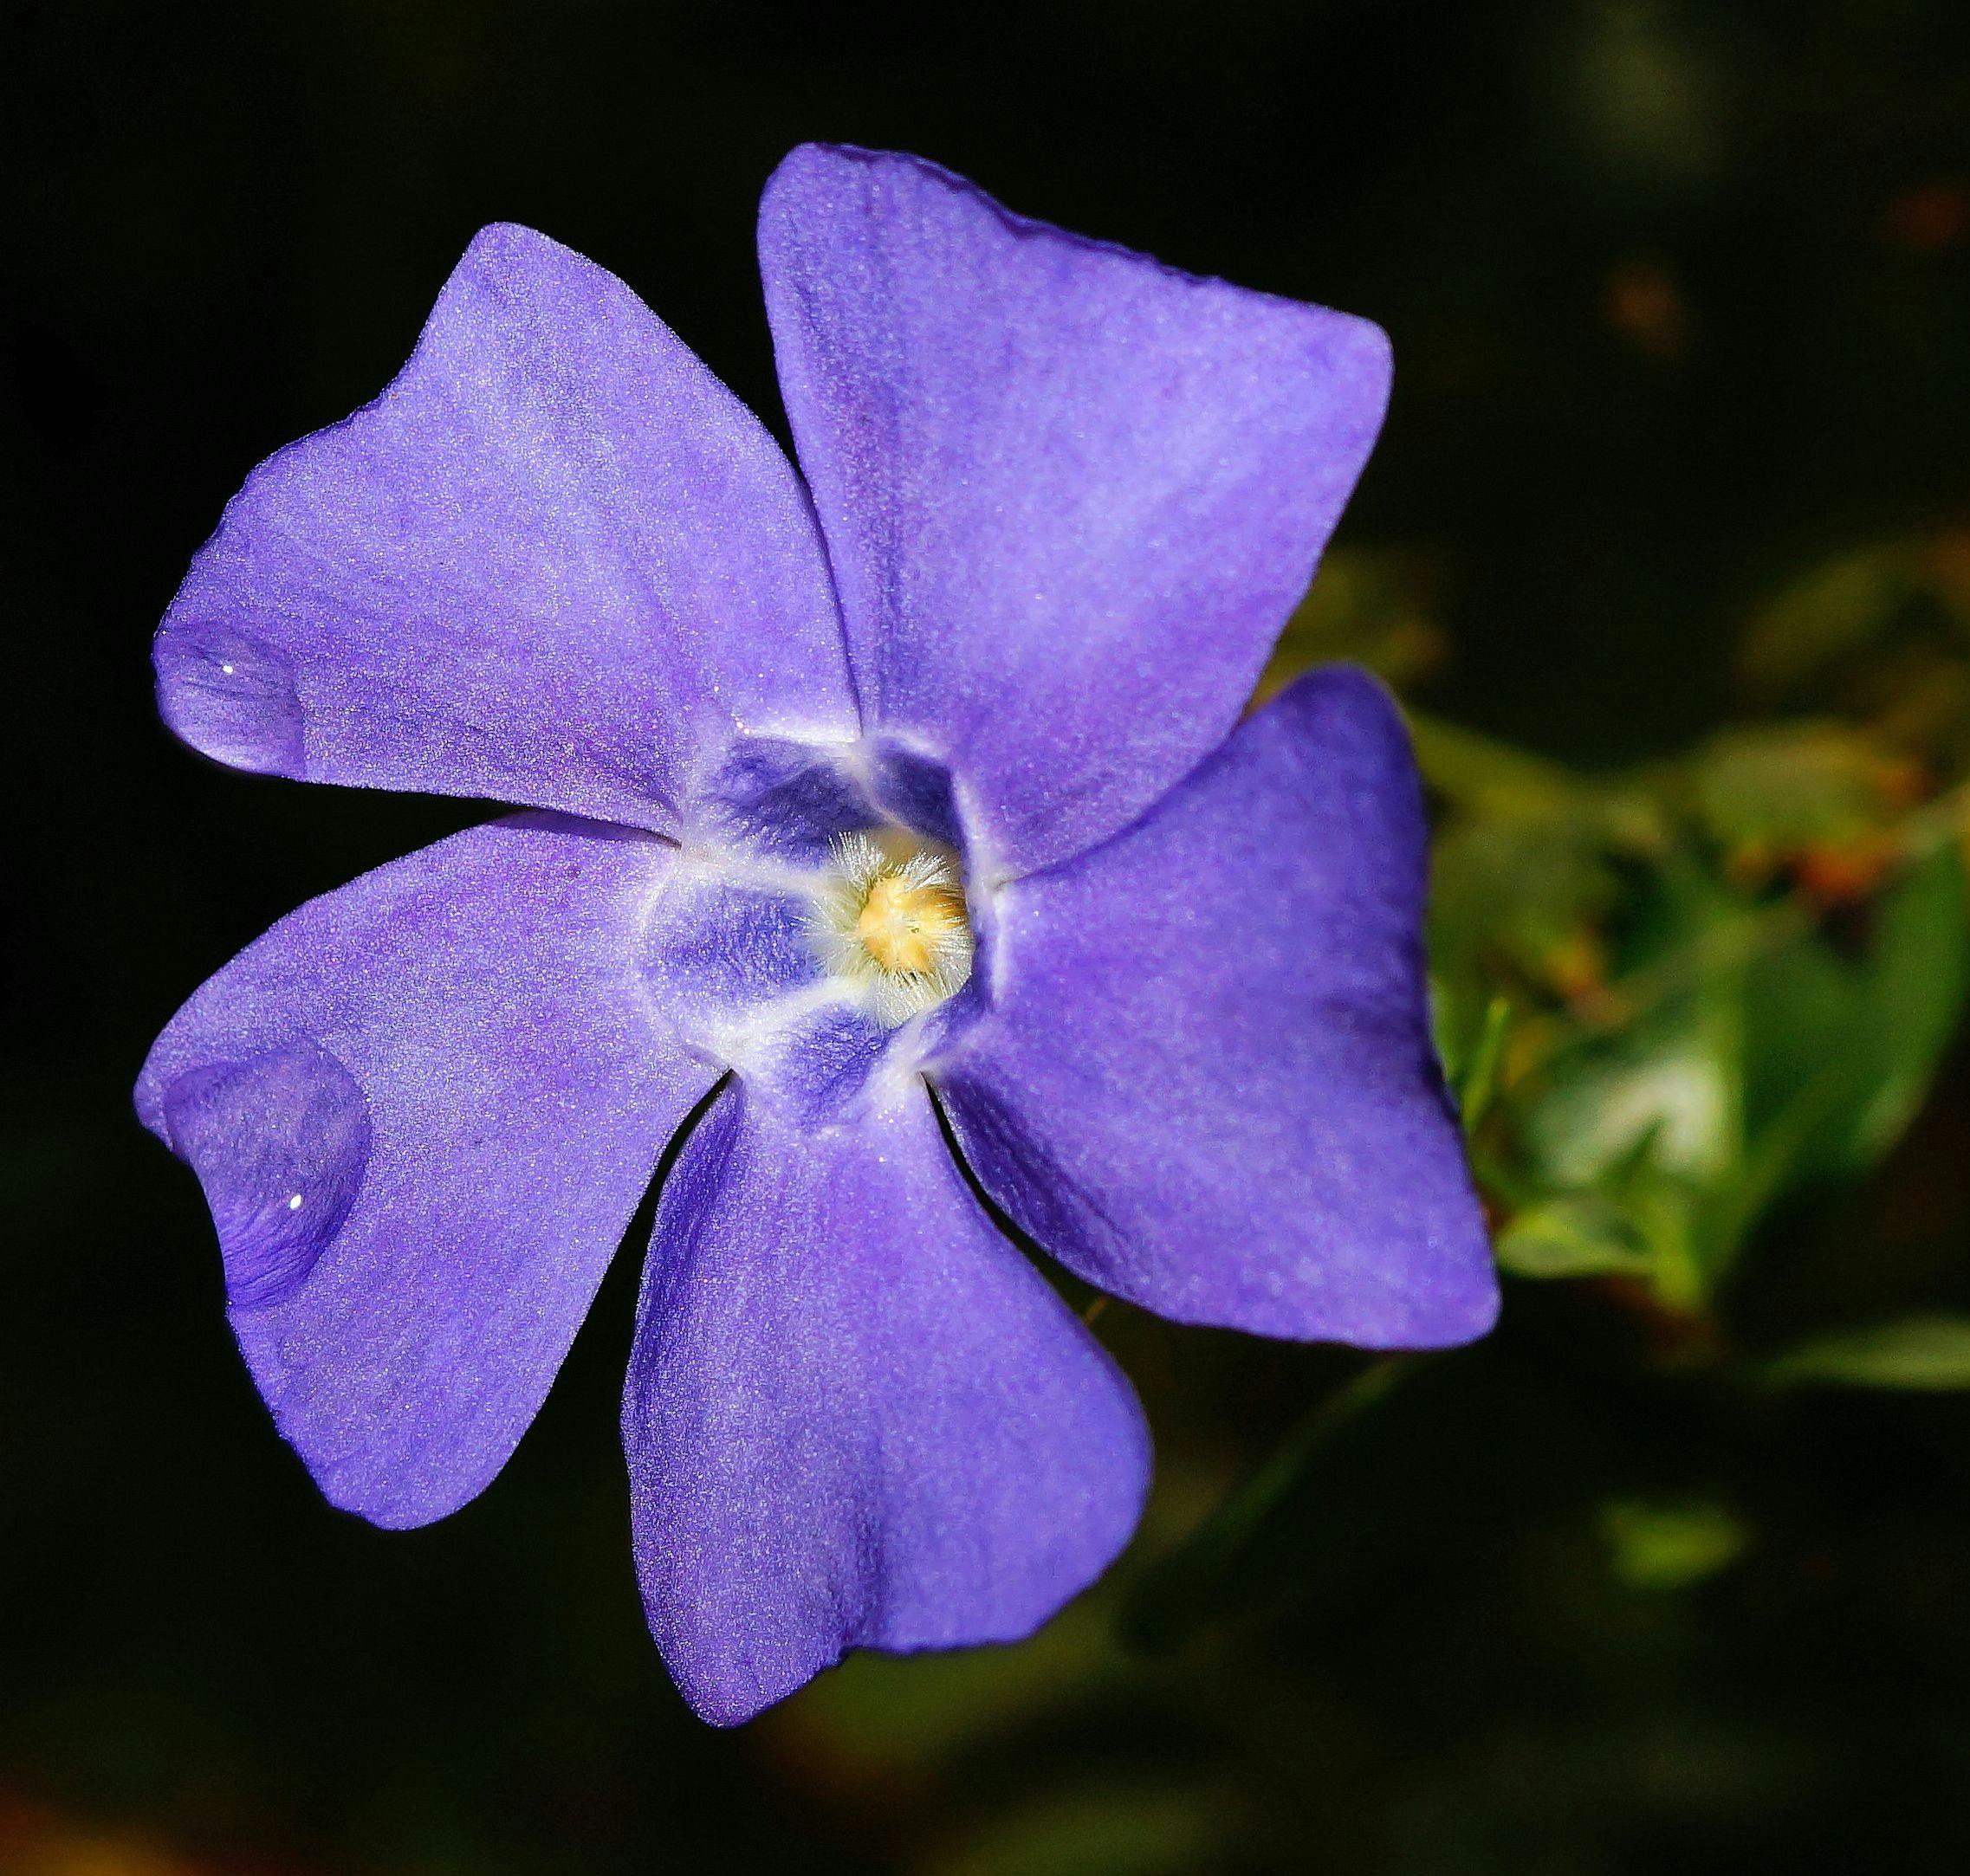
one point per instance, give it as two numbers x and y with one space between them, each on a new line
1372 350
728 1707
505 235
505 246
720 1703
814 155
364 1487
1464 1313
1344 683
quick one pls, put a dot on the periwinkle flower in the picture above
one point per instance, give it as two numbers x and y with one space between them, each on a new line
922 773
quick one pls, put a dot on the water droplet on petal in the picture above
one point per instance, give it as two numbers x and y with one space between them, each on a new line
280 1143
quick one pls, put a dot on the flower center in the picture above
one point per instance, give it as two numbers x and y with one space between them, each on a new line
892 918
906 926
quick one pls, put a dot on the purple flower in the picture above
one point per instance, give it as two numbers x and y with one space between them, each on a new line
918 782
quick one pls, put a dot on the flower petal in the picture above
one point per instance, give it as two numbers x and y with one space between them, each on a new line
424 1108
856 1416
1207 1082
555 563
1070 495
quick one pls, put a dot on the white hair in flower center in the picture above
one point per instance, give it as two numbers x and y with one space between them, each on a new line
890 917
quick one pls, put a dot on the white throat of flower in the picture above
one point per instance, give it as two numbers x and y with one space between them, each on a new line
890 917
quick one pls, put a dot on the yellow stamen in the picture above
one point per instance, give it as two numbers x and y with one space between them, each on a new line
890 917
906 926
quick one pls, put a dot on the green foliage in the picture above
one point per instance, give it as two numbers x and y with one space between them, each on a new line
1670 1546
1476 1079
1675 1002
1782 787
1578 1236
1675 1005
1924 1353
1857 605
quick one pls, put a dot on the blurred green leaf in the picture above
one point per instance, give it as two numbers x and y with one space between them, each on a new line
1669 1546
1786 786
1525 891
1448 1029
1581 1236
1478 1079
1840 1053
1916 981
1761 1058
1659 1095
1922 1353
1639 1122
1841 606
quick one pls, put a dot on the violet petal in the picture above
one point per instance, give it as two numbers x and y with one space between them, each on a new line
424 1108
1207 1082
556 563
856 1416
1070 495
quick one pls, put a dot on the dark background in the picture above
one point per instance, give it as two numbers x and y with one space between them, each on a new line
1680 300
